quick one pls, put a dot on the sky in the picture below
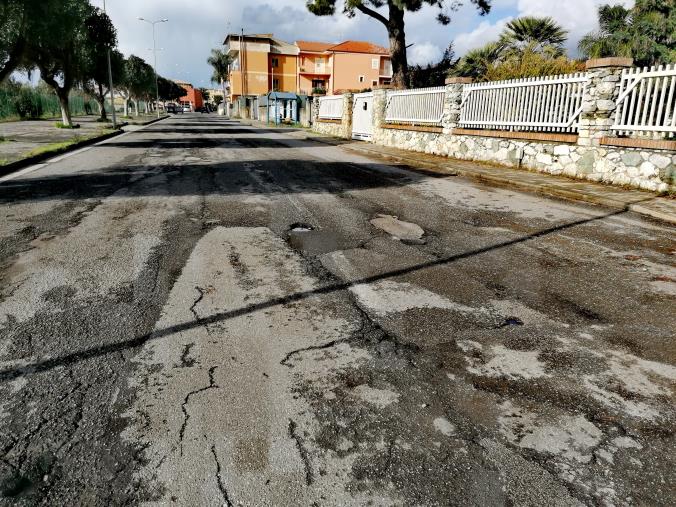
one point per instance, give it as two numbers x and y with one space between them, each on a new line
194 27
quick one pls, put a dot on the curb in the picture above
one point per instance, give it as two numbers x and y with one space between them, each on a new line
149 122
547 189
21 164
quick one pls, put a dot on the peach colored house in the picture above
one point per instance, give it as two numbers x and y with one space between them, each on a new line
262 63
350 65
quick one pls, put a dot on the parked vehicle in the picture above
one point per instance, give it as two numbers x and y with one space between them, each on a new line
187 109
171 108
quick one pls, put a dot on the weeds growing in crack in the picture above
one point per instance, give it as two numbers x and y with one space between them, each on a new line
186 400
219 479
305 458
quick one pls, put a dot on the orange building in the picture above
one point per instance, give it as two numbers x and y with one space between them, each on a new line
262 63
193 96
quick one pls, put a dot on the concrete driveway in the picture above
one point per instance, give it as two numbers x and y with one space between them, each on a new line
203 313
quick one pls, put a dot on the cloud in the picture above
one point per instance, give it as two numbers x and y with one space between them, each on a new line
422 54
482 34
191 32
579 17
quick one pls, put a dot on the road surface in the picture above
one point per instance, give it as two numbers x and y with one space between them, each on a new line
206 313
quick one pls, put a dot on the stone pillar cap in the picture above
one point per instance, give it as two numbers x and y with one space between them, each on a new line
458 80
613 61
383 87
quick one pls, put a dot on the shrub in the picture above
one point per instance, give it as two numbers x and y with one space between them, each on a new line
61 125
27 105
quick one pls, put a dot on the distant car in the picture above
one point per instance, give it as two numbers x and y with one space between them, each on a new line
186 109
171 108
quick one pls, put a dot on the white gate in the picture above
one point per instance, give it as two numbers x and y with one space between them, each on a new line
362 116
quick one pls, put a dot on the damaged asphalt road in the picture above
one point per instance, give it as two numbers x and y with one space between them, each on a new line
206 313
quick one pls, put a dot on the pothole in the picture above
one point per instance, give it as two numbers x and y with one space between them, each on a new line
306 238
300 227
511 321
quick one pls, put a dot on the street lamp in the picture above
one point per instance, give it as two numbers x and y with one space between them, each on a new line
110 81
157 88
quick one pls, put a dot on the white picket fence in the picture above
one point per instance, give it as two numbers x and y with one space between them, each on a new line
331 108
647 102
551 103
421 106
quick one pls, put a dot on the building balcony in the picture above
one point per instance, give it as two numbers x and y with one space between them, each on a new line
315 71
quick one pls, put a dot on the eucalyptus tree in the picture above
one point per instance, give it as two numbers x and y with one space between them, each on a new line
102 37
393 19
62 49
20 22
139 79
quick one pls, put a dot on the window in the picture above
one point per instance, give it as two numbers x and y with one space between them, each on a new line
275 85
275 62
374 83
362 79
375 63
319 64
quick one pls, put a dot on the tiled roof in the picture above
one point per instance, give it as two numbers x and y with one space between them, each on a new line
357 46
314 47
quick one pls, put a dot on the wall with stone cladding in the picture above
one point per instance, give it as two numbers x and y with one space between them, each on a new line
328 128
648 169
652 169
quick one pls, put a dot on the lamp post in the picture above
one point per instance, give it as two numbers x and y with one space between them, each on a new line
157 88
110 81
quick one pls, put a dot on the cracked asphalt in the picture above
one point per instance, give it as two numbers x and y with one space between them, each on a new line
206 313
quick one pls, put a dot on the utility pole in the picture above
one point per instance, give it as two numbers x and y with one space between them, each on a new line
110 82
157 88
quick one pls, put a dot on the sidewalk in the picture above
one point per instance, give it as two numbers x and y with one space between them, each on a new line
23 139
638 201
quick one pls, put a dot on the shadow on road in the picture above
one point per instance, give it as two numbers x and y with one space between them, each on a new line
48 364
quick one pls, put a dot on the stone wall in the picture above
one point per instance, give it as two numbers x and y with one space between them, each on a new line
584 156
647 169
330 128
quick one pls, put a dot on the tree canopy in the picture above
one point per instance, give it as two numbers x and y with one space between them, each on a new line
393 20
646 33
527 47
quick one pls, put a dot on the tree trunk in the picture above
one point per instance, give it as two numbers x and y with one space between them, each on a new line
397 36
65 108
101 100
135 107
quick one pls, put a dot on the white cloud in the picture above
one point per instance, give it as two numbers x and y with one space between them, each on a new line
577 16
482 34
424 53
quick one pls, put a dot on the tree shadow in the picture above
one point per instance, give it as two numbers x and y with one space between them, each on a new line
10 374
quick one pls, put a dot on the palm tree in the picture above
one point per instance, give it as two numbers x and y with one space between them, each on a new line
477 61
645 33
613 38
220 61
540 35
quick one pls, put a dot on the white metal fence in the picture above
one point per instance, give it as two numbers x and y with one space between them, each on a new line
331 108
551 103
416 106
647 102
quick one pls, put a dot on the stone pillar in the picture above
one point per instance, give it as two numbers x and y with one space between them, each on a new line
599 99
314 109
379 109
346 120
452 103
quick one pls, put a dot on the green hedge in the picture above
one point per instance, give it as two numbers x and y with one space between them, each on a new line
25 102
